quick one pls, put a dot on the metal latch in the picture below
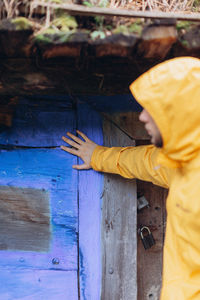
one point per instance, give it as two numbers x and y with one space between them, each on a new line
142 202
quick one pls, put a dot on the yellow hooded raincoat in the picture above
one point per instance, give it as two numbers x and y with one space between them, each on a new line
170 92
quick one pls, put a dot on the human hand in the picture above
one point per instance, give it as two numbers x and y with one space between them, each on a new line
82 149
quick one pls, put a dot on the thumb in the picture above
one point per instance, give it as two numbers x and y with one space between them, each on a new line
81 167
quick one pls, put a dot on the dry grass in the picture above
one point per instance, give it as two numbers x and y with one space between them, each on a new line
155 5
10 8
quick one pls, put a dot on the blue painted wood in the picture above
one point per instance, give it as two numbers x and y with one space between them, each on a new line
51 170
39 123
38 285
113 104
90 189
52 274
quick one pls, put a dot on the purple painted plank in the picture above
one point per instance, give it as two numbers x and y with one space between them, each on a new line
38 285
50 170
90 189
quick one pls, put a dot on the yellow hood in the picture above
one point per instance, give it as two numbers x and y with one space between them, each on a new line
170 92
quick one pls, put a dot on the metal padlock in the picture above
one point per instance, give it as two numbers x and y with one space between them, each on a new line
147 238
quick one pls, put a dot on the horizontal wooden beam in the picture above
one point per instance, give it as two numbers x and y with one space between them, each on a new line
82 66
103 11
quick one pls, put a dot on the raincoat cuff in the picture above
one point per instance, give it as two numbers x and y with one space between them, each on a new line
95 159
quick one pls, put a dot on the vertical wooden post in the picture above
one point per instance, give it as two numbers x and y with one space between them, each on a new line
119 239
90 190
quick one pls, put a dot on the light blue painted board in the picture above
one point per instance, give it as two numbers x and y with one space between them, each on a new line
90 189
39 124
51 170
38 285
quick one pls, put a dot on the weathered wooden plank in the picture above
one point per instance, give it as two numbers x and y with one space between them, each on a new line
90 189
49 170
119 228
66 75
39 122
122 110
106 11
40 285
119 45
38 203
150 261
130 124
24 221
157 41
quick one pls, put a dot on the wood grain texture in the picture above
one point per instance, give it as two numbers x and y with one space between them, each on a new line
129 122
39 123
150 261
107 11
90 191
24 219
119 226
67 75
157 41
38 285
51 170
38 188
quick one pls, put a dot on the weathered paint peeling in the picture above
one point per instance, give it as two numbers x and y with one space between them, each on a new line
82 275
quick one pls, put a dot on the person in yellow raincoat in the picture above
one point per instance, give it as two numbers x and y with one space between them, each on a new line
170 96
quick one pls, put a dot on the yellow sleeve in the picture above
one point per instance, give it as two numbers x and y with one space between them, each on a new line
131 162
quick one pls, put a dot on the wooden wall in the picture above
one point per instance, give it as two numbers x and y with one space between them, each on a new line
39 218
50 214
119 227
123 129
150 261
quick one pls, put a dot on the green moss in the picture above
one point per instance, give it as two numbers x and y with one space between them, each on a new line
51 36
60 31
121 29
42 38
57 1
183 25
135 27
196 5
88 4
65 37
185 43
21 23
97 34
65 23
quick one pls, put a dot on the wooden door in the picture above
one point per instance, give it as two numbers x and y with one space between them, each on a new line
49 214
119 224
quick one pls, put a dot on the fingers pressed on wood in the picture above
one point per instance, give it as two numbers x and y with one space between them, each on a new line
70 142
75 138
70 150
83 135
